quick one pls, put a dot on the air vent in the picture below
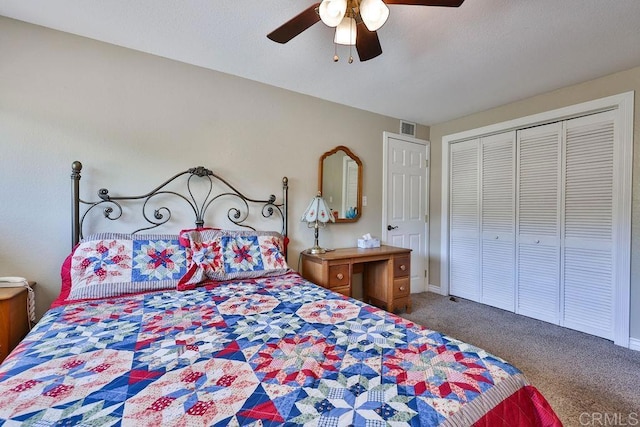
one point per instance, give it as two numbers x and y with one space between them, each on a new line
407 128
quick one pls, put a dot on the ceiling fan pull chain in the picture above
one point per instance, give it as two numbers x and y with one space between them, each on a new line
351 45
335 53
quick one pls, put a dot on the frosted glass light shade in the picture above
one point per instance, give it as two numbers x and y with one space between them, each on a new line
374 13
317 211
332 11
346 32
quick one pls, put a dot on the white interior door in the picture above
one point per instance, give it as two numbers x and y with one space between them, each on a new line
349 184
497 216
588 277
464 221
538 222
405 191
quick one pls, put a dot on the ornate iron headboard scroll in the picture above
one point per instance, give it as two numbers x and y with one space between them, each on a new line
112 208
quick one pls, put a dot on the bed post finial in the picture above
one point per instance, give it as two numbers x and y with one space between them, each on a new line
76 167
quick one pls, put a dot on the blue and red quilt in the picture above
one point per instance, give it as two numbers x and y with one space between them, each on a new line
268 351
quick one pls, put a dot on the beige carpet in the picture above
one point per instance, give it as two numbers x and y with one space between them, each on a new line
587 380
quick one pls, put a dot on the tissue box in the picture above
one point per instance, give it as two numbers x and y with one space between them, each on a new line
374 242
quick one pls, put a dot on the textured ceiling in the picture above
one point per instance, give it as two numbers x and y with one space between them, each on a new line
437 63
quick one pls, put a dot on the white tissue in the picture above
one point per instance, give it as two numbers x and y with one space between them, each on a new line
368 241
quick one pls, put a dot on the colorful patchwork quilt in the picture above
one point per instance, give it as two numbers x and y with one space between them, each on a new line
261 352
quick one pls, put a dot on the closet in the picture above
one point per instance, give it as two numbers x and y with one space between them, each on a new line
532 215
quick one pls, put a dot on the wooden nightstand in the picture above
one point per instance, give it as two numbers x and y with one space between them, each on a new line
385 273
14 319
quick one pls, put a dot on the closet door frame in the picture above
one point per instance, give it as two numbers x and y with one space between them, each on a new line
623 104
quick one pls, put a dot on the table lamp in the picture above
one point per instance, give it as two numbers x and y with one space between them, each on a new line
317 215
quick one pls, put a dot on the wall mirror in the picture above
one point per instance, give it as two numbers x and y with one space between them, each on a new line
340 182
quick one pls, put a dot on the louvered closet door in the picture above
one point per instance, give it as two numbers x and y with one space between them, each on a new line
538 223
498 220
588 230
464 221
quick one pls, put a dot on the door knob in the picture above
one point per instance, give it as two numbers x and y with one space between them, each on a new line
389 227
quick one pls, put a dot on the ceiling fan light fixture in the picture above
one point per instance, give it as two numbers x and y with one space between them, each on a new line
346 32
332 11
374 13
369 15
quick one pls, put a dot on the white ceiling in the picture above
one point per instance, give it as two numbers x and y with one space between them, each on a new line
437 63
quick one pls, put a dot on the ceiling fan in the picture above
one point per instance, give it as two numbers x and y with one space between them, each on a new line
355 21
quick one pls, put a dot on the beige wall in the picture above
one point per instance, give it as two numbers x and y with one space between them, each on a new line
609 85
125 113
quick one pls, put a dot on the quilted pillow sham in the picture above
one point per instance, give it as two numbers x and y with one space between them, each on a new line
226 254
113 264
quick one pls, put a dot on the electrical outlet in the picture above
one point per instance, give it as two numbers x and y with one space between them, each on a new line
364 200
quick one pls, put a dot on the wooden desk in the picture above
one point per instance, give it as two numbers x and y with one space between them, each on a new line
385 273
14 320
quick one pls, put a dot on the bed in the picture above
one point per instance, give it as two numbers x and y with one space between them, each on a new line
210 326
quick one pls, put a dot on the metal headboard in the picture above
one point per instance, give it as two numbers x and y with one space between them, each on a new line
112 208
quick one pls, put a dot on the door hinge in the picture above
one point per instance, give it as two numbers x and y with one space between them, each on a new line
425 273
426 218
426 163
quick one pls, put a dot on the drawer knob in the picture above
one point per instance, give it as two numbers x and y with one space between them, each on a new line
402 288
340 276
403 267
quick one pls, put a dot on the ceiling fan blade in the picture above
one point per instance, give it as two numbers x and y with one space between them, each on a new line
367 43
446 3
295 25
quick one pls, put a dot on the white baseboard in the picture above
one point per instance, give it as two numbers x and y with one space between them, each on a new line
634 344
435 289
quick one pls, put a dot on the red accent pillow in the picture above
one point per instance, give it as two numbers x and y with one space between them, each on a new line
224 255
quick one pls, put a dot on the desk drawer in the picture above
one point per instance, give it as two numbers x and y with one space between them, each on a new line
401 287
339 275
401 266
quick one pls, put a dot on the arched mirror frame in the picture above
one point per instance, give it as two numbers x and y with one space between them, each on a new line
349 153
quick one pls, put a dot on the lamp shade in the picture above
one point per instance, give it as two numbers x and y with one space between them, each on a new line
332 11
374 13
317 211
346 32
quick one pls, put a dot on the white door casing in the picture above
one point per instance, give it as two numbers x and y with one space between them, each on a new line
405 201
